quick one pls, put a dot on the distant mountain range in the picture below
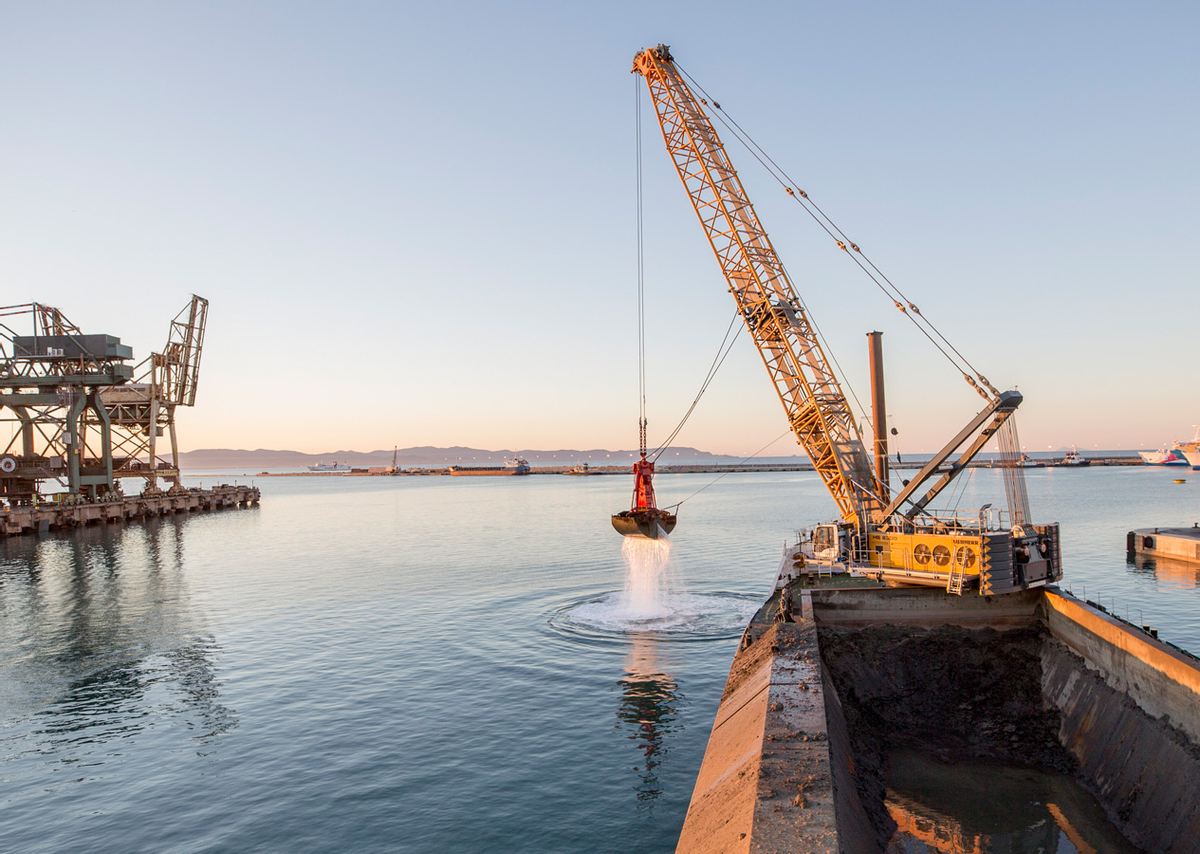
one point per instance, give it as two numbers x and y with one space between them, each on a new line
427 456
424 456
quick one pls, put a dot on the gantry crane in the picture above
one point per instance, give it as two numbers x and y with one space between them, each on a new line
52 377
78 415
897 539
143 410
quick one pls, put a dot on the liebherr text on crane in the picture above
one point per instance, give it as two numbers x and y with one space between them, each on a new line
896 538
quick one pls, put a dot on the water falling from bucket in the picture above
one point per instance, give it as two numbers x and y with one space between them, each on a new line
647 577
653 600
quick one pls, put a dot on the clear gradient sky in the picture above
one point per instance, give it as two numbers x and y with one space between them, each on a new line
415 222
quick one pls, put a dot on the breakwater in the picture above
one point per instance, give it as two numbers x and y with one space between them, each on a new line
664 468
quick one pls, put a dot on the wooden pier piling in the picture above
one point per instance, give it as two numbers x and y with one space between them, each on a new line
48 516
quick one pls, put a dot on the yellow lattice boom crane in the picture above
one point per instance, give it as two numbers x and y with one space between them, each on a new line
897 539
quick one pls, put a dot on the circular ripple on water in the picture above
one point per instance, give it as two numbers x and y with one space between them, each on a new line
679 616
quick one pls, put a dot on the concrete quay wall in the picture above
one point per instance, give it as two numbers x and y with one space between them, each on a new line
781 773
1130 712
40 518
1173 543
766 780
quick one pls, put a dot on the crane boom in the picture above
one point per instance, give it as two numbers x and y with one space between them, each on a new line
817 410
874 537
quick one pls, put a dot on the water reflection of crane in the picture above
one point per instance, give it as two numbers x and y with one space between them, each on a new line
649 704
104 621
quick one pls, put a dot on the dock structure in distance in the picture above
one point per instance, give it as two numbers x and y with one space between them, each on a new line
55 515
1171 543
83 417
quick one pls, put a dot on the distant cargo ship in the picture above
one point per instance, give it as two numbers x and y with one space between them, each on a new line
334 466
510 467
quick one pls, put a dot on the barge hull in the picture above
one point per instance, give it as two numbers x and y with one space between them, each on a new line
785 769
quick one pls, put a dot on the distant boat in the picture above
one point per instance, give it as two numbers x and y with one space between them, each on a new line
1176 455
1073 460
1164 457
334 466
579 470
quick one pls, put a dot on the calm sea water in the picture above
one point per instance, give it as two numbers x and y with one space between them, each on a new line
383 664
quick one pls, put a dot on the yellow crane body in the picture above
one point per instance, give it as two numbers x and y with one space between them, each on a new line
774 316
874 536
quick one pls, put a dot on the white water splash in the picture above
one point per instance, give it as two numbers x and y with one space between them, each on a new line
681 615
647 578
653 599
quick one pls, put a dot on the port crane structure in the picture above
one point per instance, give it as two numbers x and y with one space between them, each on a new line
80 414
895 538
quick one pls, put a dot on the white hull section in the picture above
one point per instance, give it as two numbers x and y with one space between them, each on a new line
1163 458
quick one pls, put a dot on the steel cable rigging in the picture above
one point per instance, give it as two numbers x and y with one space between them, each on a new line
908 308
718 360
873 534
641 279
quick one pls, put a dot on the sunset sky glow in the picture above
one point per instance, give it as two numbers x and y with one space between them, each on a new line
416 222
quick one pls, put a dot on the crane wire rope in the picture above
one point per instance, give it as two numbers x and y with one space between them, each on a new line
718 360
731 469
726 343
641 278
811 319
899 299
961 490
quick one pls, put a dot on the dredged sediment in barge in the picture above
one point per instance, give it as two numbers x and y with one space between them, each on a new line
1033 679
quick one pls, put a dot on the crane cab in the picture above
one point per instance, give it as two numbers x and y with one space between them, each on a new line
830 543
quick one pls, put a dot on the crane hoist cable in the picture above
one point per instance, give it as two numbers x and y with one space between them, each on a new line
898 298
722 350
735 465
641 279
816 327
643 518
718 360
